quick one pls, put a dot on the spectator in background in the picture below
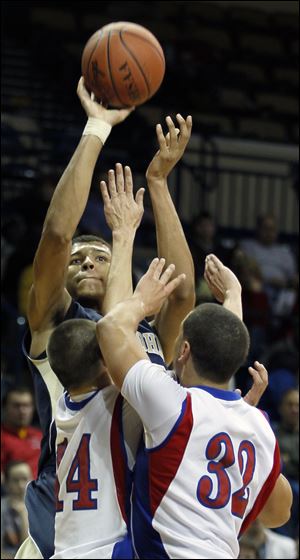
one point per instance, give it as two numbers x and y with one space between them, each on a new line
14 519
203 240
270 545
277 263
19 440
287 433
283 366
256 309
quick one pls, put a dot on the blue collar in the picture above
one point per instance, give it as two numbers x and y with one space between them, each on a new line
220 393
72 405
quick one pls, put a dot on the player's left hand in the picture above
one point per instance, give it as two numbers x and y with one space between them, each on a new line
171 147
156 285
123 212
219 278
260 382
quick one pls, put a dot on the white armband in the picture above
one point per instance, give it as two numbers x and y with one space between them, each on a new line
98 128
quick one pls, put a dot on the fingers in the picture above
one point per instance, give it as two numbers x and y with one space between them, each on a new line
185 128
112 183
119 180
173 284
122 114
81 89
259 372
165 277
139 198
173 137
128 179
120 183
158 269
104 193
212 260
172 132
160 137
168 136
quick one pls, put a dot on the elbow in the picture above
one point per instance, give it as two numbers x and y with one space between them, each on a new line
186 294
56 234
278 521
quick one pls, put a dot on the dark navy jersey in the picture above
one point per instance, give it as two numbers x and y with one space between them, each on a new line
39 497
47 388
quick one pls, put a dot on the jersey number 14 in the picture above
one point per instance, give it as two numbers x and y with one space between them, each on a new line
83 484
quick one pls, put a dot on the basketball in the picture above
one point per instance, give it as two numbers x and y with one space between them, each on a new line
123 64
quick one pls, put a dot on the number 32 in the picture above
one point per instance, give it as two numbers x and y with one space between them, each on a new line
246 461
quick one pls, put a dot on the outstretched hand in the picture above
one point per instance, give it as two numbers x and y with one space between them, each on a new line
122 211
260 382
219 278
171 147
95 109
156 285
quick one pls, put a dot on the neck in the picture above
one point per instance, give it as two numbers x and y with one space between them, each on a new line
193 379
101 383
90 303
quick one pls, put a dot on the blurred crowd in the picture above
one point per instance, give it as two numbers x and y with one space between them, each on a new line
247 61
268 272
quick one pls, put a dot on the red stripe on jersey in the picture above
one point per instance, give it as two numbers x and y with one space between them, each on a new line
117 455
265 491
165 460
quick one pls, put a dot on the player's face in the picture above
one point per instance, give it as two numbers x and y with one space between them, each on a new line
88 270
19 476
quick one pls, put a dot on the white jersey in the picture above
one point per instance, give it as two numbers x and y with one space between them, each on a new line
97 438
209 464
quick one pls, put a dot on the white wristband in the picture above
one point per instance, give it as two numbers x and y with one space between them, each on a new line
98 128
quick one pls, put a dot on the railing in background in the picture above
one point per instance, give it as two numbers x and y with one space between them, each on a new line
238 180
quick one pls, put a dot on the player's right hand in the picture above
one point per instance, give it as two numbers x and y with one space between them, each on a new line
156 285
95 109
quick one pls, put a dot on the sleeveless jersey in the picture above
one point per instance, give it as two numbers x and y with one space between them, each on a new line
94 438
39 498
209 463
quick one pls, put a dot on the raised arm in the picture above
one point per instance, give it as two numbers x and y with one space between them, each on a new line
224 285
48 296
171 241
123 213
116 332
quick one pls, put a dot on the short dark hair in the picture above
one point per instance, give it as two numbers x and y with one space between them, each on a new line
219 341
73 352
90 239
11 464
20 390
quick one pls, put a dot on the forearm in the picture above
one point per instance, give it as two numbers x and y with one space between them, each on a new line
116 334
171 241
71 194
233 302
119 283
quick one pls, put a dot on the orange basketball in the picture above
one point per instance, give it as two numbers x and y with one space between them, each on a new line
123 64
